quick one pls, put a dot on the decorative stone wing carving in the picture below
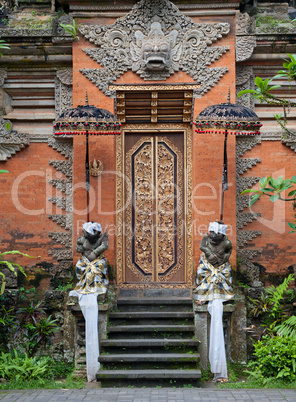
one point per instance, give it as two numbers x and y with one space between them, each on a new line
65 75
245 36
10 141
155 40
245 46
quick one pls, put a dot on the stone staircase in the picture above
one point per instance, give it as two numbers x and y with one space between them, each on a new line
150 342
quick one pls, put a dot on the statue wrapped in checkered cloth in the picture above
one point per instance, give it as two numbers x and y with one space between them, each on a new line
214 284
91 270
214 277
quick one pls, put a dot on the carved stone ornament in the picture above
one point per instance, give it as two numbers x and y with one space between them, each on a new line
63 91
3 76
96 168
245 36
65 202
244 144
155 40
243 74
245 25
10 141
245 80
245 46
65 76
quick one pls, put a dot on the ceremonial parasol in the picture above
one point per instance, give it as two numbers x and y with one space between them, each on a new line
86 120
227 118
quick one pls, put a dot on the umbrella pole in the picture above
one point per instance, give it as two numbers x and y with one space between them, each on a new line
87 182
224 176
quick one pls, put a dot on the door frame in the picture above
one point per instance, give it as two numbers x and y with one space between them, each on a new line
161 129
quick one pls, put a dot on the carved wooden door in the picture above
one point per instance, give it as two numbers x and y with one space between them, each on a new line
154 209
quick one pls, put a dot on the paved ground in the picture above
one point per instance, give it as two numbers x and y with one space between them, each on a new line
150 395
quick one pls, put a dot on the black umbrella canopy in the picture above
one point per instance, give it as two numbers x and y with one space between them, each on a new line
236 119
86 119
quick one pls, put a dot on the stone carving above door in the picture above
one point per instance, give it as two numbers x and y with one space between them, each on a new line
155 40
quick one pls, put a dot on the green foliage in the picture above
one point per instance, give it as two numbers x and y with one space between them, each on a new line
259 382
287 328
16 366
68 286
72 29
32 22
262 92
69 383
34 328
206 375
275 189
275 358
8 324
3 45
271 305
289 70
13 266
264 88
62 368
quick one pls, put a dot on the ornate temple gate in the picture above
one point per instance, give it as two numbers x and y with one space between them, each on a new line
154 213
154 239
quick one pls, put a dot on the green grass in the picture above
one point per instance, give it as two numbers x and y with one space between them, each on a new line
43 384
252 383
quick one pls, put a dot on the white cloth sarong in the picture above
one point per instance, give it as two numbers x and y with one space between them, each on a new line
217 355
89 307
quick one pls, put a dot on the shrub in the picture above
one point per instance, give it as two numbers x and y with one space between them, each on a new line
13 365
275 358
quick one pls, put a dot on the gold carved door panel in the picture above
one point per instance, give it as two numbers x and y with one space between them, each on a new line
154 209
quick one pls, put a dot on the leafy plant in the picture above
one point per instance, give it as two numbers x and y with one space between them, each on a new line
274 189
31 314
15 366
287 328
34 328
8 323
13 266
72 29
275 358
3 45
68 286
264 89
271 305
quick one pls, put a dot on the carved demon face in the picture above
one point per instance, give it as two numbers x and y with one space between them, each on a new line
156 52
156 48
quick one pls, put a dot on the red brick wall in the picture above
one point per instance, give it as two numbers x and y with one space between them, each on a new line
25 207
278 246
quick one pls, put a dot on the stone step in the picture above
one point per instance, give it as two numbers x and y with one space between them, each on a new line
151 328
151 357
149 331
151 314
155 300
154 304
154 293
149 374
142 343
151 318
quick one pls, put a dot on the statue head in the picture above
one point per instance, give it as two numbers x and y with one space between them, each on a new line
156 47
91 231
217 232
